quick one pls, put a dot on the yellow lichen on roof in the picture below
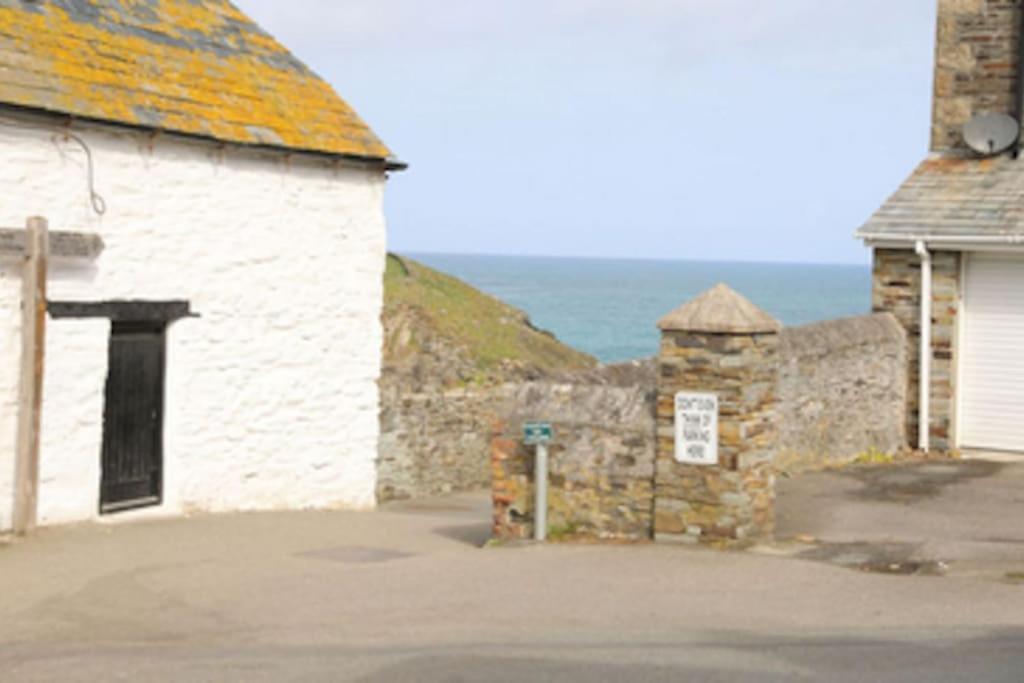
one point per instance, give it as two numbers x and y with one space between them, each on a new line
197 67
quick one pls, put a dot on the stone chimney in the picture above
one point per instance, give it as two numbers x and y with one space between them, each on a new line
976 68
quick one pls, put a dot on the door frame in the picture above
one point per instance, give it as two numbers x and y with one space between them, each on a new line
958 352
160 315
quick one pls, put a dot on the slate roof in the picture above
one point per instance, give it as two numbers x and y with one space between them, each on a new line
720 310
954 197
197 67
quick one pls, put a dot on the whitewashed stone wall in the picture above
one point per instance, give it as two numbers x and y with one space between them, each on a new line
272 399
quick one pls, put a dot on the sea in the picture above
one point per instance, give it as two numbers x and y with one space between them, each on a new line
609 308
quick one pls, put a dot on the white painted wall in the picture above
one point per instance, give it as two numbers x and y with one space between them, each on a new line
271 395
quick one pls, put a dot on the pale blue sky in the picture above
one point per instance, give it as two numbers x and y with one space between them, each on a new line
701 129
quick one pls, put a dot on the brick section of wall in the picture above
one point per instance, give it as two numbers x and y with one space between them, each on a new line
731 504
602 462
976 65
842 390
897 289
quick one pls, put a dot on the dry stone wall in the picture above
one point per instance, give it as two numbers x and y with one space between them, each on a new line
434 440
602 462
842 390
439 402
834 390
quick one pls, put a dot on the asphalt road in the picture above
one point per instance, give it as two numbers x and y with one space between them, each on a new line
727 657
407 594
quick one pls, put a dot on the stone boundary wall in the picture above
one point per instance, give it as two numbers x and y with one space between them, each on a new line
842 390
434 441
602 462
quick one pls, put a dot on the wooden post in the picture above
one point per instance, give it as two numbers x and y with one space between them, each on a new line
30 399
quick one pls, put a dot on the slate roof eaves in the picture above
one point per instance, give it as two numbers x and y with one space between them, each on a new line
192 67
954 199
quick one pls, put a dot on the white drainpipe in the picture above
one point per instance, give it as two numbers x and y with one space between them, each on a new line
925 381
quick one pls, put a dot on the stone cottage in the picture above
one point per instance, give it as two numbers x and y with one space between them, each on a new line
222 352
949 244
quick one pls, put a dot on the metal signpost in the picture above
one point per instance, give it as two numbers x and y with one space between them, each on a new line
696 429
540 434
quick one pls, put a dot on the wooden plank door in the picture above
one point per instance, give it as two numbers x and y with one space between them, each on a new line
132 457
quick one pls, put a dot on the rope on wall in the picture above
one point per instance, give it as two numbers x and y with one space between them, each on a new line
99 204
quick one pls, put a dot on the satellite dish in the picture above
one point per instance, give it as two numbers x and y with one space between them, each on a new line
991 134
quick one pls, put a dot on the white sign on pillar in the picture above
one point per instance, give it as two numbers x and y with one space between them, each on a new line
696 429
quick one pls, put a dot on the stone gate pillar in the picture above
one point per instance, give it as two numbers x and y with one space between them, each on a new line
719 345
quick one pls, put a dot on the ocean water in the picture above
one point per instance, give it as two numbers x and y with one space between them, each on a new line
610 308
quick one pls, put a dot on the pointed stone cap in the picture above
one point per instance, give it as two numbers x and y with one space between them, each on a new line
720 310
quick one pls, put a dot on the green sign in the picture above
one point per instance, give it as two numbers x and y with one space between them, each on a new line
537 433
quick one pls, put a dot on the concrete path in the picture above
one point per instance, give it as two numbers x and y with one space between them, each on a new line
406 594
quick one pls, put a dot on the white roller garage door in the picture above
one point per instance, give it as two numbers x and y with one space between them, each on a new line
992 370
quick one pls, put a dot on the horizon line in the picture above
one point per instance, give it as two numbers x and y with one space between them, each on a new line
651 259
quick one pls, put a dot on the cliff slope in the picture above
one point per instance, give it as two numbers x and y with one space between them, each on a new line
439 330
453 357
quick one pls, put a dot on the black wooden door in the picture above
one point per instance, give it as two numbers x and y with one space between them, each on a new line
133 418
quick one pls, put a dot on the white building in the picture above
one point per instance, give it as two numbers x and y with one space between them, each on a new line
222 353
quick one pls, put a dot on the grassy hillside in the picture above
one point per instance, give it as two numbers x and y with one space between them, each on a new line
430 315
